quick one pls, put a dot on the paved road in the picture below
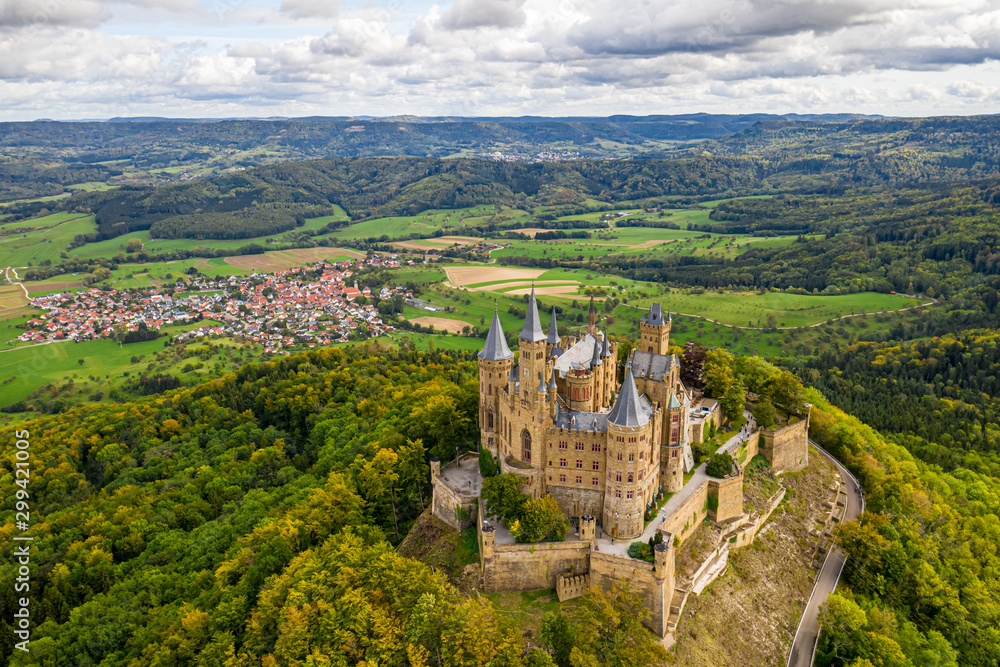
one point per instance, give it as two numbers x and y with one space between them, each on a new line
804 645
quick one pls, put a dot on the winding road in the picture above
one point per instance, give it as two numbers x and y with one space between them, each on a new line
807 636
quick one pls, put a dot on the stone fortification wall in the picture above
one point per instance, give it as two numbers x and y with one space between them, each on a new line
568 588
787 448
607 570
529 567
729 494
686 519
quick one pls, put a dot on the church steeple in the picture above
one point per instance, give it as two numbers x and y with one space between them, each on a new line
591 318
627 410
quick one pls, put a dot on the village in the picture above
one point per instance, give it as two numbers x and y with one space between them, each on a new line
304 306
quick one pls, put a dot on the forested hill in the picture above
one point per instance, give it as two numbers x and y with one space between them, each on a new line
157 523
374 187
250 520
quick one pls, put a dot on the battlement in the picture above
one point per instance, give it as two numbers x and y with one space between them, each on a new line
569 587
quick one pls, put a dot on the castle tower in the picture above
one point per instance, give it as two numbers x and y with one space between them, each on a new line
654 330
609 366
496 362
592 318
672 466
552 340
531 346
632 472
587 528
663 558
597 376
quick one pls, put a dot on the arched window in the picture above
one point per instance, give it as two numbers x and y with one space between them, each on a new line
489 419
525 446
630 478
489 390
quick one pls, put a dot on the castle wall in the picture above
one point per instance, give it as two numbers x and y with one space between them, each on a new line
607 570
577 501
683 522
568 588
787 448
527 567
445 501
729 493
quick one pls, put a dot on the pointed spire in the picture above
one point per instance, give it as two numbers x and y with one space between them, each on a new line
532 330
553 338
496 344
605 352
673 404
541 383
552 383
596 359
627 411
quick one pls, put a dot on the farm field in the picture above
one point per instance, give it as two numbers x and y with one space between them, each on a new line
49 238
22 370
279 260
427 222
750 309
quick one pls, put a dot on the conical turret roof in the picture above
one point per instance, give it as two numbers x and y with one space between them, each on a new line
596 359
627 411
532 330
553 337
673 404
496 344
605 352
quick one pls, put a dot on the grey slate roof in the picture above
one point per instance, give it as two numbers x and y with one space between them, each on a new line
655 315
595 360
584 421
650 364
605 352
628 409
673 403
532 330
580 355
553 337
552 383
496 344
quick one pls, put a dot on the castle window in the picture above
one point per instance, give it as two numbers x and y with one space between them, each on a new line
631 458
673 454
562 478
618 493
579 479
596 465
640 456
619 456
630 478
489 390
526 446
489 420
628 495
640 475
563 445
579 464
562 463
579 446
618 477
596 448
594 482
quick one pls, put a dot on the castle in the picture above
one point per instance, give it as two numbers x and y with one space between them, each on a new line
558 417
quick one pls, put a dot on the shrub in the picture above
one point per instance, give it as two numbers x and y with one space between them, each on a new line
719 465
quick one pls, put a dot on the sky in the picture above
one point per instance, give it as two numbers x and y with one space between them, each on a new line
95 59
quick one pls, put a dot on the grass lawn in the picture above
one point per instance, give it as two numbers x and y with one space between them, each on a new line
49 238
792 310
22 370
427 223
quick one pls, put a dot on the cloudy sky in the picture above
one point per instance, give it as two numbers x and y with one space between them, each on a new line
68 59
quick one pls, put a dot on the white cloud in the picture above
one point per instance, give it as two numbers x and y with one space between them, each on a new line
505 57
